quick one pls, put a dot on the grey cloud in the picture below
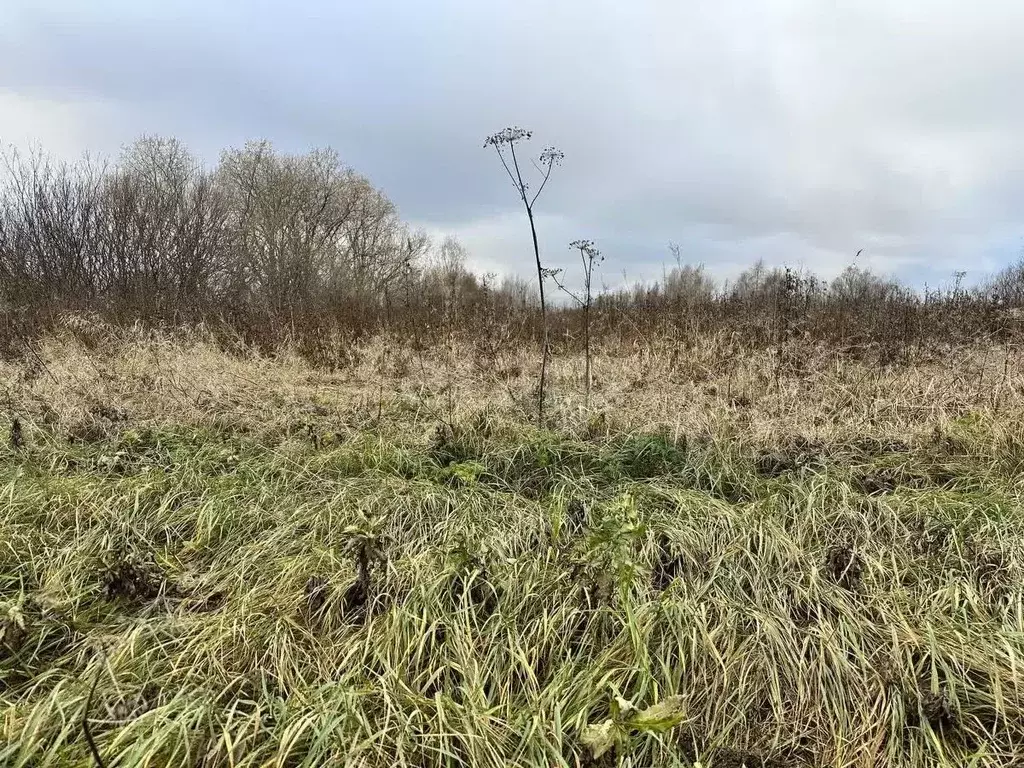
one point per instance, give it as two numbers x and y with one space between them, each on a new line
797 131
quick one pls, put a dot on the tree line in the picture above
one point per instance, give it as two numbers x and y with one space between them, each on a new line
265 239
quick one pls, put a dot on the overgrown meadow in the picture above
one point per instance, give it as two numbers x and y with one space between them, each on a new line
218 558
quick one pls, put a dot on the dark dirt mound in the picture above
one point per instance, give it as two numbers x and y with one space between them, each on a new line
844 566
353 603
932 708
133 578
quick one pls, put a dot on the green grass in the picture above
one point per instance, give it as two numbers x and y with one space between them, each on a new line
821 605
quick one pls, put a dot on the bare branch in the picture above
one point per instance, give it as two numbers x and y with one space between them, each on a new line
553 274
543 184
519 176
501 156
552 157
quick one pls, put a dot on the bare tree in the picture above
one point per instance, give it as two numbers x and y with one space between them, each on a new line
166 225
856 285
686 285
308 231
506 140
446 276
590 256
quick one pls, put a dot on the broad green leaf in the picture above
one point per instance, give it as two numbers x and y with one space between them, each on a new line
659 717
600 738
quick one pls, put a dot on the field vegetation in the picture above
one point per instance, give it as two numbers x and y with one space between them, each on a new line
305 518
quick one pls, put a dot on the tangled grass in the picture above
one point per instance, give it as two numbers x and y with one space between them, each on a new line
473 591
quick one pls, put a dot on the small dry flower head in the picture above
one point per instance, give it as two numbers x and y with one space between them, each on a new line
508 136
587 248
551 156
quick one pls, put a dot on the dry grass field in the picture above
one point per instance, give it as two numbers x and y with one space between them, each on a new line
212 558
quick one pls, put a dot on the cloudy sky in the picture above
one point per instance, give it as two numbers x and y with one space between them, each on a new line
798 131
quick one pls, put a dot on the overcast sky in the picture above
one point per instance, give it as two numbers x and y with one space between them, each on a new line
798 131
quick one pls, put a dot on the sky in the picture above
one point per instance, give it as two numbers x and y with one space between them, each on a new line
794 131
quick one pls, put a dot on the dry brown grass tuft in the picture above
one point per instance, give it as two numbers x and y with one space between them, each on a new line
118 378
